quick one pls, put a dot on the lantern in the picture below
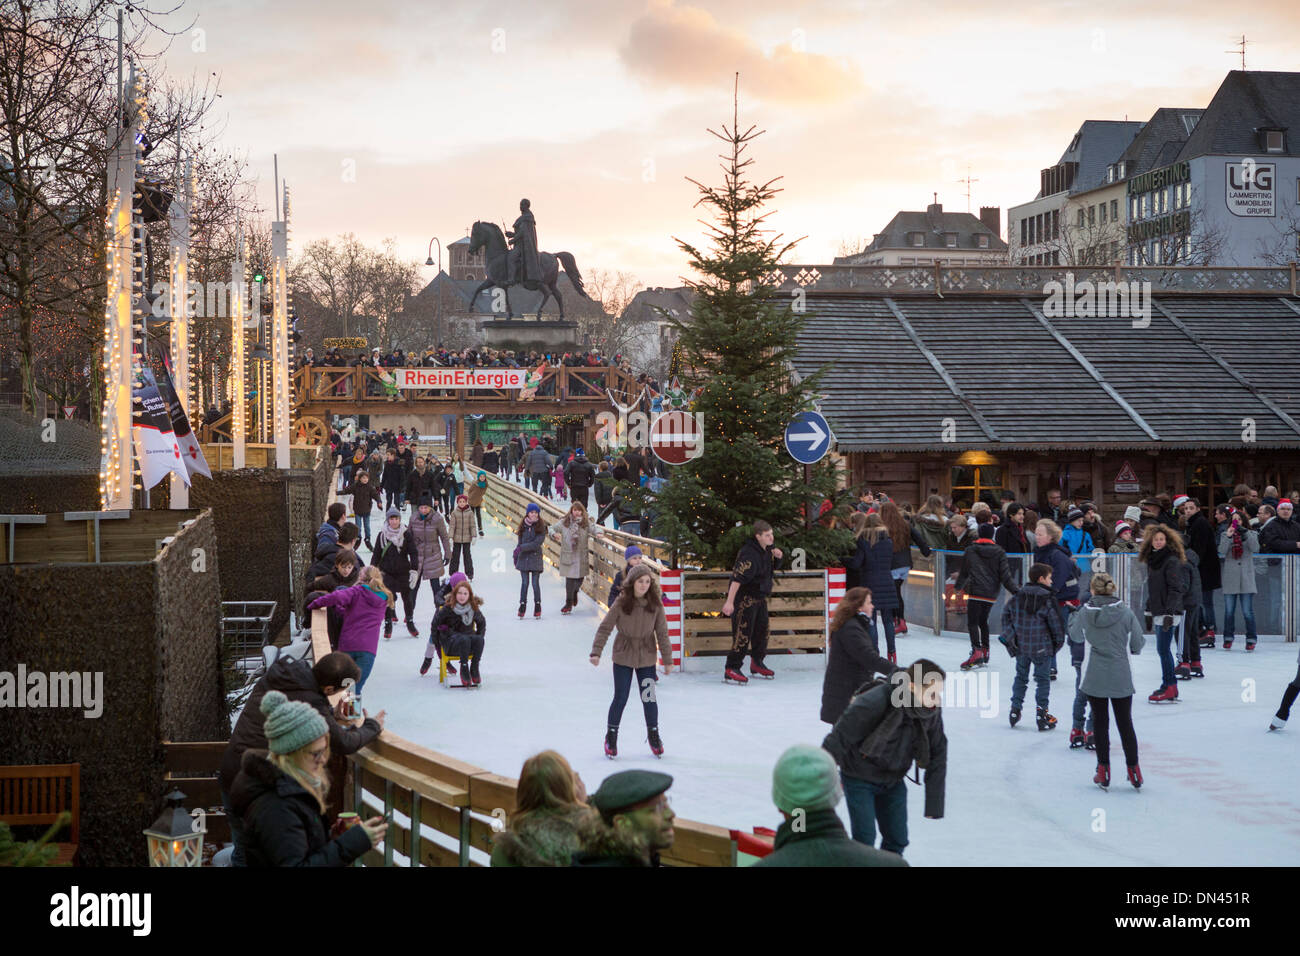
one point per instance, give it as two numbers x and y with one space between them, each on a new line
175 838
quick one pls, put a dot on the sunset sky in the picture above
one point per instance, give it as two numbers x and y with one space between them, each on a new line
453 110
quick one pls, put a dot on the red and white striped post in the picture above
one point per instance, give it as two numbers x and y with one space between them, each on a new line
834 594
670 585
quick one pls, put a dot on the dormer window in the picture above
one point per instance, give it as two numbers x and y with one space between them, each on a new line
982 241
917 238
950 240
1273 140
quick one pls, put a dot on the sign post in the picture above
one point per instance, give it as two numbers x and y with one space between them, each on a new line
808 439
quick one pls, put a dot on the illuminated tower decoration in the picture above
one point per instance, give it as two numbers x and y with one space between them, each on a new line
122 316
178 260
238 310
280 336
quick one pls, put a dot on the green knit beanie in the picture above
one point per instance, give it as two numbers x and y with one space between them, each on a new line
290 724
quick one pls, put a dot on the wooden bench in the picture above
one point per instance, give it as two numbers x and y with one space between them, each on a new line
35 795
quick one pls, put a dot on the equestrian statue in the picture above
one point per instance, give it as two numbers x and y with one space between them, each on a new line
521 263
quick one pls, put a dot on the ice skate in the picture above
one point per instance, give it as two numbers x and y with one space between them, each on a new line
1102 777
730 676
758 670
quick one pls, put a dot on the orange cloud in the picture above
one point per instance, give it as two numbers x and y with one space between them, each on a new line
687 46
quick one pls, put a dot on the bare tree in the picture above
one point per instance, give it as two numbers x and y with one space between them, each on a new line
58 116
391 281
338 279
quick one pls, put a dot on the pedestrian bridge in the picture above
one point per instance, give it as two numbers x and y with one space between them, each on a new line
320 392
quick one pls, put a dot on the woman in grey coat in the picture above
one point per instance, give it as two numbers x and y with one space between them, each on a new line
1238 546
1113 632
528 557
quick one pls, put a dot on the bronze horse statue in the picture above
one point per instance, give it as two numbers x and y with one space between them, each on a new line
489 235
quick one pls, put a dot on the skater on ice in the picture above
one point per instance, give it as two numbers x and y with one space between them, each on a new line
642 630
1111 632
746 604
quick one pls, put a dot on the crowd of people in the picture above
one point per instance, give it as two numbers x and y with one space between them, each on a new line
274 775
1182 557
475 357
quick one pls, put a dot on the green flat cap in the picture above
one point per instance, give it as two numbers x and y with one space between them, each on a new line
627 788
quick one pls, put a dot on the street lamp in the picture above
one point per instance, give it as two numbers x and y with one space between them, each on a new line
437 294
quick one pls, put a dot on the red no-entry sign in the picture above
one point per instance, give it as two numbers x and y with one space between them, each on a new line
677 437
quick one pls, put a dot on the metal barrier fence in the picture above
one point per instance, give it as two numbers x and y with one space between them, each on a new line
931 600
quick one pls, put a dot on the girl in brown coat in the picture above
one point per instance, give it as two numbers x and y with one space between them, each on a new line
639 617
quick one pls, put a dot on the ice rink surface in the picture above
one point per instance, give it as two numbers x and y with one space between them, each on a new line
1219 791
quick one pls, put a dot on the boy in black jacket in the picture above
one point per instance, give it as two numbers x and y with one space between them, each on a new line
885 729
751 583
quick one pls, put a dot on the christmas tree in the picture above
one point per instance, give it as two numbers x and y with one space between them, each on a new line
737 348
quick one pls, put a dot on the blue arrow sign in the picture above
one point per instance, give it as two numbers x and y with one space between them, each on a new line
808 438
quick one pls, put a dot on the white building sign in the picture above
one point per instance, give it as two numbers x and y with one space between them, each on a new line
1249 188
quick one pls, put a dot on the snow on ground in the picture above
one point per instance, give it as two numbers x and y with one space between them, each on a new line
1219 789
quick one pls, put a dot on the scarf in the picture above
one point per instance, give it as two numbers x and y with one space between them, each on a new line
465 612
392 535
1237 548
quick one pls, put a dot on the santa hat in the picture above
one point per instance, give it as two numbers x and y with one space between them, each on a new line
1181 500
1285 501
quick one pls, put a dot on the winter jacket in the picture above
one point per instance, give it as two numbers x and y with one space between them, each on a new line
1113 632
529 548
1280 536
417 483
1011 538
872 563
821 840
616 588
463 528
394 476
475 495
1237 575
491 461
933 529
580 474
985 571
1120 546
753 570
396 561
476 455
1098 533
296 681
640 634
1076 540
363 612
542 838
375 465
913 736
1065 573
1031 622
432 544
1166 586
447 623
328 582
636 464
283 825
853 661
1201 540
903 555
327 532
573 547
323 559
1191 582
537 461
365 497
604 488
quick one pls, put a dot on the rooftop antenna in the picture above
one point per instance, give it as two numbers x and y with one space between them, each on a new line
968 180
1241 49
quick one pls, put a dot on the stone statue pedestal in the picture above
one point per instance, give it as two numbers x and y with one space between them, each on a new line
544 336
